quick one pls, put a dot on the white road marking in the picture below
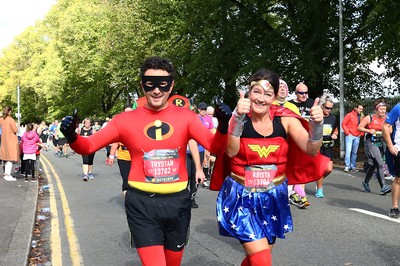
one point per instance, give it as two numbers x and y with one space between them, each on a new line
386 217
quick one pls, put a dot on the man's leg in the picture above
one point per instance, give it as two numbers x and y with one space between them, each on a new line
394 212
349 144
396 192
152 255
354 150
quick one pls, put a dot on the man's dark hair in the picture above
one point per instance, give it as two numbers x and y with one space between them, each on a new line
156 62
264 74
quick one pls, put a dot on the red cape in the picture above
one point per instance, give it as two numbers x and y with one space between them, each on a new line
301 168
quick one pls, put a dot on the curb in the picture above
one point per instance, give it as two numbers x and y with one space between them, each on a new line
19 248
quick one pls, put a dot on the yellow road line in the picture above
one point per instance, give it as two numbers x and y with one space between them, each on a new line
55 239
74 249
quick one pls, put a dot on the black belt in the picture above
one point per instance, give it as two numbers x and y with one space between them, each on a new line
151 194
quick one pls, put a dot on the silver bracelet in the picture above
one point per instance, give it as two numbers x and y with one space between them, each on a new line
236 124
315 131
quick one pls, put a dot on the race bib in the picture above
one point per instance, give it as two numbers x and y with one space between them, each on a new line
161 166
258 178
327 130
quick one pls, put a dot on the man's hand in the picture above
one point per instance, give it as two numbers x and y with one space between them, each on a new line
110 161
200 176
223 113
68 127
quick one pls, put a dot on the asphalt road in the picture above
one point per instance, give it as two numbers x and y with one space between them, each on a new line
88 225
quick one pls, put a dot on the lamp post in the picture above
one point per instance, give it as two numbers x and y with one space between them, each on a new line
341 94
18 114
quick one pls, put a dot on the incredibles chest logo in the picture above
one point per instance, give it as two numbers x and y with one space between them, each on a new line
158 130
263 151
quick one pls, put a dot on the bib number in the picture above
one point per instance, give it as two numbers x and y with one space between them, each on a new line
258 178
161 166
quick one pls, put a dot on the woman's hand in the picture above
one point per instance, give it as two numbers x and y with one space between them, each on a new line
243 105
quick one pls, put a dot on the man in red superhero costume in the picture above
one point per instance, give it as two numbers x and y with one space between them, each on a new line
158 202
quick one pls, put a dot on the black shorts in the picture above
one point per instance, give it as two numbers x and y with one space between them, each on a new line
62 141
397 165
158 219
88 159
55 142
328 152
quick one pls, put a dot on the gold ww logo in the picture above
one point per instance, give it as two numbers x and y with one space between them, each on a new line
263 151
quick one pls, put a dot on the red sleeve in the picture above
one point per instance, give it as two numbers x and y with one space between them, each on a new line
91 144
344 124
211 142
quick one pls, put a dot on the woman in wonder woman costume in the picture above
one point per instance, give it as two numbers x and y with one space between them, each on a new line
264 141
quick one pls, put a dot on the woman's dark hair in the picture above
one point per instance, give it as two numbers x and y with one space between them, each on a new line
379 102
29 127
156 62
6 111
270 76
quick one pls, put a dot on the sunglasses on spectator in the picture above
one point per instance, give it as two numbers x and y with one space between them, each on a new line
302 92
328 108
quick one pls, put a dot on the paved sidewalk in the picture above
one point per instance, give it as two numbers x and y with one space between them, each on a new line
18 208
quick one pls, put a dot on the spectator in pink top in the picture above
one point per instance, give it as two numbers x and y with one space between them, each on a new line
29 141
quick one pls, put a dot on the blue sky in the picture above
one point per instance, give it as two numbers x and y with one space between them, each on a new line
17 15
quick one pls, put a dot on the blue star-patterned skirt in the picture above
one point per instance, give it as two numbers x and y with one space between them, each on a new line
250 216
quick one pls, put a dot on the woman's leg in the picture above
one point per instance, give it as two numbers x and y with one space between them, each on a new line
90 165
32 166
370 172
8 167
258 253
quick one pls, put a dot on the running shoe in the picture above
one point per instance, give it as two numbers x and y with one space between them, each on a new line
90 176
304 202
389 177
346 169
194 204
366 187
385 190
26 179
299 201
85 178
295 199
33 180
394 213
9 178
319 193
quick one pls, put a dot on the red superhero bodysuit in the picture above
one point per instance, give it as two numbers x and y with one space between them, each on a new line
157 142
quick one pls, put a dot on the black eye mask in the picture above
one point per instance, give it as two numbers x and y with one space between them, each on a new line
163 83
